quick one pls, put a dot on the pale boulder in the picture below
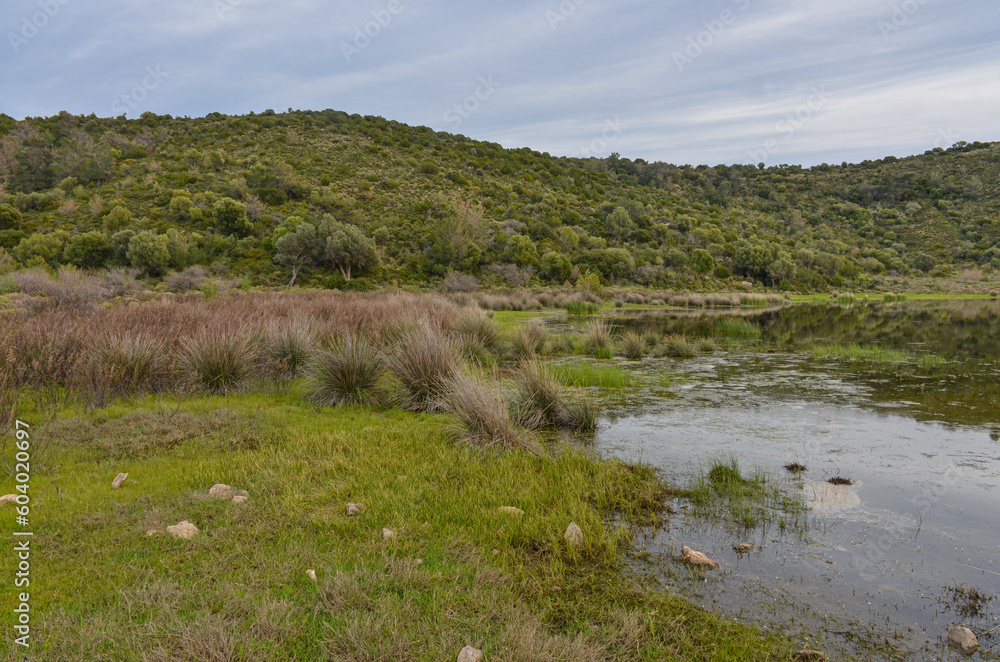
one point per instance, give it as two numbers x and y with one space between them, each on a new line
574 535
697 558
470 654
184 530
388 534
354 509
963 637
8 498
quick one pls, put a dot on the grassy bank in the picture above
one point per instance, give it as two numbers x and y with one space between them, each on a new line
458 571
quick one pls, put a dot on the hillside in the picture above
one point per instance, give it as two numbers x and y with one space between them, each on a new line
229 192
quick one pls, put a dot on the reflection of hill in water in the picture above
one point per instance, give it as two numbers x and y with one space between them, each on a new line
964 391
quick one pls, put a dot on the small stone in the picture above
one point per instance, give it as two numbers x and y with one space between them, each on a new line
388 534
184 530
354 509
117 482
697 558
574 535
807 655
240 498
8 498
963 637
311 574
511 510
470 654
745 548
220 491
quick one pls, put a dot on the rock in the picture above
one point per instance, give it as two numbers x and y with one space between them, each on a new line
240 498
745 548
470 654
574 535
807 655
153 532
697 558
220 491
354 509
311 574
117 482
184 530
8 498
388 534
963 638
511 510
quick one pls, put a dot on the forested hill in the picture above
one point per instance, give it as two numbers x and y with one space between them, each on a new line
261 197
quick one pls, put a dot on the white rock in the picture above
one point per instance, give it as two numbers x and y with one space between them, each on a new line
153 532
117 482
574 535
220 491
311 574
354 509
388 534
470 654
185 530
511 510
963 637
240 498
8 498
697 558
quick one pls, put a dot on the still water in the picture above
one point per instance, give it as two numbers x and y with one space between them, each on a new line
871 569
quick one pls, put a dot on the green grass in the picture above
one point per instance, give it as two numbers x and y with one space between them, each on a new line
458 572
744 502
582 308
736 326
590 374
860 353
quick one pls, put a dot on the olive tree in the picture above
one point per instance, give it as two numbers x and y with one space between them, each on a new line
348 249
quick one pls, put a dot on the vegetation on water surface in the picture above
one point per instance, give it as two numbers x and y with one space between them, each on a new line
328 199
744 502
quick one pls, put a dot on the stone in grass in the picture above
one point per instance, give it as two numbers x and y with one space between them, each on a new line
388 534
963 637
8 498
511 510
574 535
354 509
153 532
807 655
311 574
184 530
240 498
470 654
697 558
117 482
221 491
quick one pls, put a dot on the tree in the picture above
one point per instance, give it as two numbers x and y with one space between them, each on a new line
702 261
149 252
612 263
299 249
9 217
619 222
41 248
348 249
521 250
89 250
781 269
117 219
556 266
231 218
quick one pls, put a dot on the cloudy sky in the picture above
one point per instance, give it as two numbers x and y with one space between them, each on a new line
717 81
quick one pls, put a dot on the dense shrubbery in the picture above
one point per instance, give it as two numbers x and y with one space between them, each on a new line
321 197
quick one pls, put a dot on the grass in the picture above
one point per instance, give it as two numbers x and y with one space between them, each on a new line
633 345
838 480
678 346
424 361
528 340
349 373
483 414
860 353
745 502
219 361
590 375
458 572
597 336
582 308
736 326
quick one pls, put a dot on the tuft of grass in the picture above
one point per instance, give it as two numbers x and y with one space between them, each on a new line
678 346
539 401
597 336
744 502
425 362
860 353
969 601
795 468
707 345
351 372
603 353
653 338
474 326
219 361
581 308
590 375
736 326
584 414
290 346
132 363
633 345
528 340
484 416
839 480
890 297
563 343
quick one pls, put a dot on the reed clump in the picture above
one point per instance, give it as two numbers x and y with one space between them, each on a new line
351 372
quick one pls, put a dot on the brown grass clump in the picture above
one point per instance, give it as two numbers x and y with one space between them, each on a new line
484 416
219 361
350 373
528 340
424 361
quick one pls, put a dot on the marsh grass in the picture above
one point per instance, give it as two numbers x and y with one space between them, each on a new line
528 340
586 375
969 601
563 343
538 399
795 468
633 345
860 353
484 417
678 346
351 372
474 327
132 363
290 346
220 361
736 326
745 502
425 362
597 336
603 353
582 308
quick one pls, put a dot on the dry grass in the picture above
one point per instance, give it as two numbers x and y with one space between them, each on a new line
219 361
350 373
484 416
424 361
597 336
528 340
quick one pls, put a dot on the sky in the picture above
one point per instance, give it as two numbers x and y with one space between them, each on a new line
696 82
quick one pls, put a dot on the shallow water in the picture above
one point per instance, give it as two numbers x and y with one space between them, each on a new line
868 571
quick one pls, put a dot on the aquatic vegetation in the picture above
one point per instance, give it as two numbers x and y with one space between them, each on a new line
597 336
745 502
678 346
603 353
538 401
969 601
474 326
736 326
582 308
633 345
591 375
840 480
860 353
795 468
528 340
